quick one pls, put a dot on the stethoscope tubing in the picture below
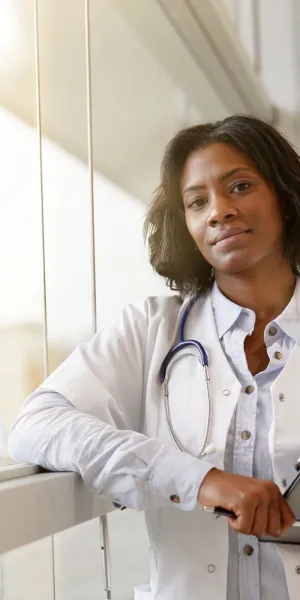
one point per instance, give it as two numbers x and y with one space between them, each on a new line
164 376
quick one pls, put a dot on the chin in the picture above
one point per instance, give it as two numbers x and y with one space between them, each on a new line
234 266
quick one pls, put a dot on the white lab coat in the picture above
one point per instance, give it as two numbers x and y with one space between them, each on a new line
189 548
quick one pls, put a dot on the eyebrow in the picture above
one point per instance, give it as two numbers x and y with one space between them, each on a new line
195 188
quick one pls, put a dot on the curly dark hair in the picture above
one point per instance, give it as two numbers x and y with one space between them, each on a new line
171 247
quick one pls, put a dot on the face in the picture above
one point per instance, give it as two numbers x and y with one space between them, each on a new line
231 212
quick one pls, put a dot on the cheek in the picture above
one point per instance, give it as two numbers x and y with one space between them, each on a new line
271 222
196 228
268 210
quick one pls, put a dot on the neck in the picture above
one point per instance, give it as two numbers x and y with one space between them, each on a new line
265 291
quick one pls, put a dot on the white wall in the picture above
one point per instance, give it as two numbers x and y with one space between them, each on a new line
277 51
245 26
279 69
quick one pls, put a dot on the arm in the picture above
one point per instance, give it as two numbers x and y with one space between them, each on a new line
86 418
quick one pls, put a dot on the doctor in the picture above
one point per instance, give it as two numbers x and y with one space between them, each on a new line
225 225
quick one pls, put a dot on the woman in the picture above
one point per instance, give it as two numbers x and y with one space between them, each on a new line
225 226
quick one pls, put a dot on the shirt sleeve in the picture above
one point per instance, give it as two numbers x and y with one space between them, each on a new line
86 417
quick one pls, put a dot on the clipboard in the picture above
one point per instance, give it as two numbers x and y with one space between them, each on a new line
292 497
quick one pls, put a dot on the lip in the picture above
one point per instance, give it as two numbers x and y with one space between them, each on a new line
234 236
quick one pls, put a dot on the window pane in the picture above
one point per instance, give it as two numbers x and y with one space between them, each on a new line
21 300
68 240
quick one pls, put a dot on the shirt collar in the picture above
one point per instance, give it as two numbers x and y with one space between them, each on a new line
289 320
227 313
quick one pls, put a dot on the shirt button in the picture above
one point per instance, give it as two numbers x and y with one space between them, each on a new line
211 568
175 499
272 330
249 389
226 392
248 550
298 569
278 355
281 397
245 435
284 482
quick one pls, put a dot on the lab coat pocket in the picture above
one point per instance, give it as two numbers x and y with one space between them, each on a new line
187 404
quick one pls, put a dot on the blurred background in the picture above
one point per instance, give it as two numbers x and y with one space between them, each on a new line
72 253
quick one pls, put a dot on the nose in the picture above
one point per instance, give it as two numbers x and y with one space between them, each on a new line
221 210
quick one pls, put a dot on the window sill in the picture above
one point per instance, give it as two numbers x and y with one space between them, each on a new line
34 506
11 470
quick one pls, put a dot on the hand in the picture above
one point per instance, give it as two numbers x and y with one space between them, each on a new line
259 506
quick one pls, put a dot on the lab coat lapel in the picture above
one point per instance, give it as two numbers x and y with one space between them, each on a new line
284 438
284 441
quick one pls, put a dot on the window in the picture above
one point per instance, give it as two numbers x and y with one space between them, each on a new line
136 109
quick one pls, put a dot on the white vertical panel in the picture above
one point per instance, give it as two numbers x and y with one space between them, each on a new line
104 545
41 182
27 573
41 193
88 91
130 555
77 563
67 182
21 314
68 198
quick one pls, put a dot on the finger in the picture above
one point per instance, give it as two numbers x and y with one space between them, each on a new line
260 521
274 526
243 522
287 517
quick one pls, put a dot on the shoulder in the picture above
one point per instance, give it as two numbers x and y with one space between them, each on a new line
163 306
147 323
155 311
153 308
136 321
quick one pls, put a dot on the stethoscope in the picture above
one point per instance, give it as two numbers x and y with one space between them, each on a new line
164 378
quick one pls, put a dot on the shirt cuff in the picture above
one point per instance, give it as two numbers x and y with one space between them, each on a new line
177 477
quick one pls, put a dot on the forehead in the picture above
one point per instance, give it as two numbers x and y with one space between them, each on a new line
209 163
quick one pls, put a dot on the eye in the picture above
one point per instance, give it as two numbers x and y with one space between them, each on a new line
240 187
197 202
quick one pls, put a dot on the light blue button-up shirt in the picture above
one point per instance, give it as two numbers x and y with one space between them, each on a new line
259 576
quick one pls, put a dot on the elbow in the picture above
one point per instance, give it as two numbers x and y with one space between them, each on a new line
15 446
28 432
22 451
20 448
